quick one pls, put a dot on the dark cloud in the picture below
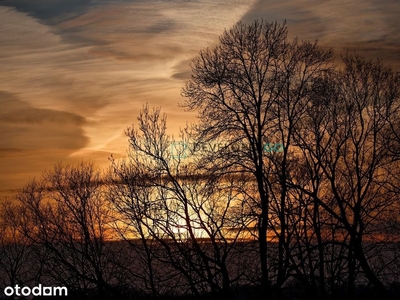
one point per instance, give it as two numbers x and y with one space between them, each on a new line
275 10
33 139
112 22
47 10
371 28
182 70
25 127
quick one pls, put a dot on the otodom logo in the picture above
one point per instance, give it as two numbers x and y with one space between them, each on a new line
36 291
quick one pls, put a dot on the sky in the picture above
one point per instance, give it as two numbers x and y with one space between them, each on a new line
74 74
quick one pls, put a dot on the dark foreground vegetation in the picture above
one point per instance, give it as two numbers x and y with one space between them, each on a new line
286 188
123 284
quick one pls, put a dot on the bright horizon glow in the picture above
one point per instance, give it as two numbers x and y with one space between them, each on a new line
74 78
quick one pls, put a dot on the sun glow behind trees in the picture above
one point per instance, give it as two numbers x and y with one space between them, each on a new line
194 212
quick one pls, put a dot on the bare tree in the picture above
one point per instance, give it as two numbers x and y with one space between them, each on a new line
66 213
344 144
251 90
17 256
181 213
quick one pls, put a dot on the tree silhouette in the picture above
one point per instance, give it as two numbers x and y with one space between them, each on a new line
344 143
66 214
252 88
180 213
17 258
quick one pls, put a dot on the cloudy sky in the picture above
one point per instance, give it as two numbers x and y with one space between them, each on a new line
75 73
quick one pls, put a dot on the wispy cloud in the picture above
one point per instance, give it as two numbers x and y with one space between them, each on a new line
87 71
79 71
